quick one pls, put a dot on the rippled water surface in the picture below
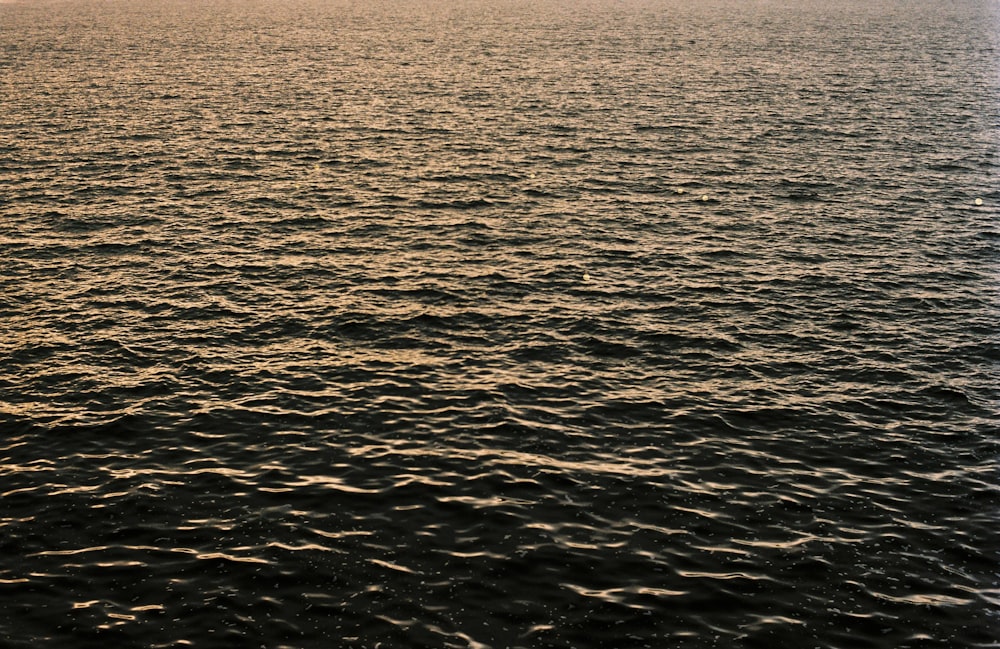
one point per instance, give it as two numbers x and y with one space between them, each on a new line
419 323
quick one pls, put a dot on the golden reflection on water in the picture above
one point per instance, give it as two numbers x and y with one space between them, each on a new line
586 315
500 457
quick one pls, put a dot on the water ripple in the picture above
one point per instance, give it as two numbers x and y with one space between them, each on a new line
435 324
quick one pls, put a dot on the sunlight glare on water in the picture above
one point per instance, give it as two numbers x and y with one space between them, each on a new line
498 324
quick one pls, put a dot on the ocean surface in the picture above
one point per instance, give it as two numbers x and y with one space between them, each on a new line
499 324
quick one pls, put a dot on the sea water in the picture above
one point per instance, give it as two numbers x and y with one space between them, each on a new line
497 324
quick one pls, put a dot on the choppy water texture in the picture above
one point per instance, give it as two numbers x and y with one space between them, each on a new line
499 324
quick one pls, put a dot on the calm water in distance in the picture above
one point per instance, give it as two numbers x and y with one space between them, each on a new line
499 324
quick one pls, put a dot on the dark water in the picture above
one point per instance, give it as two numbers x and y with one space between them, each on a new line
499 324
